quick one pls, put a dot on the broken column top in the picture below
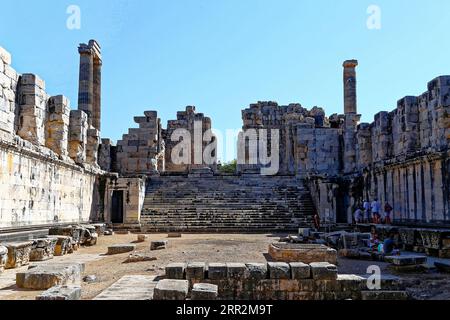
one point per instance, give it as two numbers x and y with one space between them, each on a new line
350 63
93 48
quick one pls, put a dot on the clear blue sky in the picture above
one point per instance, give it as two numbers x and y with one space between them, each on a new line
221 55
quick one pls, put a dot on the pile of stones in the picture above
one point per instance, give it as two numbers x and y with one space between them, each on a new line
59 242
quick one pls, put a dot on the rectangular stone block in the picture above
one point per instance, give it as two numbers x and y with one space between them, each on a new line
176 271
18 254
195 271
43 249
171 290
279 270
217 271
300 270
257 271
45 276
384 295
237 271
407 260
204 291
59 293
323 271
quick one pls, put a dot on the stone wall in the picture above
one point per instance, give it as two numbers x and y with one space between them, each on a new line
37 188
141 151
48 155
198 126
292 121
275 280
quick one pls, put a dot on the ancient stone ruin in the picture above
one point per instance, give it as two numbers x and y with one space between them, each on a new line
62 184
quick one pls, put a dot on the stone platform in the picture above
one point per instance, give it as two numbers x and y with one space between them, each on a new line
306 253
130 288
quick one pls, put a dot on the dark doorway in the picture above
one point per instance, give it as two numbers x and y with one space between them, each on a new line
117 207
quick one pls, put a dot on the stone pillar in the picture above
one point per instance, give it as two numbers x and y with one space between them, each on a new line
89 92
78 136
86 83
93 142
57 127
33 105
350 97
351 119
96 117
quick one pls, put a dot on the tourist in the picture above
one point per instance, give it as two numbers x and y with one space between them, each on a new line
389 245
366 207
376 211
317 221
358 215
374 240
387 213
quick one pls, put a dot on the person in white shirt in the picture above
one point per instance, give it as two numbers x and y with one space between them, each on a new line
366 207
376 206
358 215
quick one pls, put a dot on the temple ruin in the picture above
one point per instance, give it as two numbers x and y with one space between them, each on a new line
56 171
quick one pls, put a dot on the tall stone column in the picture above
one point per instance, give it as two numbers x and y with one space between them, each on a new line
350 96
96 116
351 117
86 82
89 93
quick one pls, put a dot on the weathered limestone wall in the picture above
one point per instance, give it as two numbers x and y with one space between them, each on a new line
39 189
188 120
141 151
43 175
288 120
318 151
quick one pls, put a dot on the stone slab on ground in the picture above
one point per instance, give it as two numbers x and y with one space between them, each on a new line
158 245
323 271
133 287
61 293
407 260
121 248
18 254
64 245
135 257
45 276
43 249
176 271
142 238
171 290
204 291
174 235
384 295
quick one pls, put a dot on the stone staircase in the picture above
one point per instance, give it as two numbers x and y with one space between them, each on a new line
247 203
